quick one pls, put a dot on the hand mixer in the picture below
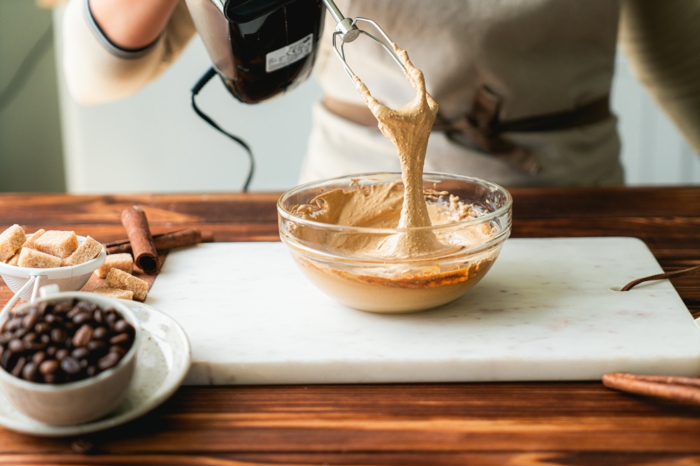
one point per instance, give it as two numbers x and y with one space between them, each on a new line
263 48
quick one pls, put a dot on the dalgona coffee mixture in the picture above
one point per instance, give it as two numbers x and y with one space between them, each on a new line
377 205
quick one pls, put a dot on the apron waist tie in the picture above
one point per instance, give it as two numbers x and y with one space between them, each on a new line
483 126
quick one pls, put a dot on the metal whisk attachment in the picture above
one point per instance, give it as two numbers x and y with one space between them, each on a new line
346 29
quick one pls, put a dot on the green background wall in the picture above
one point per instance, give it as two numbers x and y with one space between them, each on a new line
31 155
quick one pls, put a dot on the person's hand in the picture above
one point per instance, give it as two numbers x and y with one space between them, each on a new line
132 24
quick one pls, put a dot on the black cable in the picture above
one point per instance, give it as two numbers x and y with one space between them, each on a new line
26 67
195 90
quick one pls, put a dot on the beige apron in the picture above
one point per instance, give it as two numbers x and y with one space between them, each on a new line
538 56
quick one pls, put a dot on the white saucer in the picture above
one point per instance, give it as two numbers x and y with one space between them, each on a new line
163 362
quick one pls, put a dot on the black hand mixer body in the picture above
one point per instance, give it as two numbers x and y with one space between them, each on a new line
260 48
263 48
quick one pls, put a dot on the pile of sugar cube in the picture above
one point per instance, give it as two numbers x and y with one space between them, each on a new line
54 248
45 249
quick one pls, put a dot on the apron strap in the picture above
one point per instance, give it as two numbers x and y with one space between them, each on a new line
483 126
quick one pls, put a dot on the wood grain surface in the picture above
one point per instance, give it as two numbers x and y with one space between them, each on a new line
452 424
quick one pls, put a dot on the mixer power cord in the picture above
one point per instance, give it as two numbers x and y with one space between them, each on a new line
211 72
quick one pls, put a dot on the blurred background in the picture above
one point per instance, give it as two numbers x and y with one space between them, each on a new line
48 143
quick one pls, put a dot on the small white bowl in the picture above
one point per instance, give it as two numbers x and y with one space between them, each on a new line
82 401
69 278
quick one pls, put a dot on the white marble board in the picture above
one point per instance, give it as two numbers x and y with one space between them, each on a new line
547 310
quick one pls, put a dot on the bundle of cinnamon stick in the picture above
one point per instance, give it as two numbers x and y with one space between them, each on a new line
144 247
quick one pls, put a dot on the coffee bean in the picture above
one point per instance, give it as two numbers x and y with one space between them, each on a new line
48 367
30 320
82 318
91 370
98 316
30 337
80 353
20 332
38 358
19 366
7 358
108 361
63 308
121 339
85 306
50 319
110 319
45 339
100 333
6 337
61 354
50 379
14 324
42 327
83 336
30 372
122 326
83 363
74 312
70 366
58 335
117 349
97 345
16 346
51 351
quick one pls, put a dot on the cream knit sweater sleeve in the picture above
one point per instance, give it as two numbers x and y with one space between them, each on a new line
662 40
97 71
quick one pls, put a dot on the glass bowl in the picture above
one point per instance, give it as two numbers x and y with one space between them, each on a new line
342 260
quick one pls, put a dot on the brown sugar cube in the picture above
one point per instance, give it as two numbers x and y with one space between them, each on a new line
37 259
85 252
116 261
114 292
13 260
119 279
11 240
57 243
32 239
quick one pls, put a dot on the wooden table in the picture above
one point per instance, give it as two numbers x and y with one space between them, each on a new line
504 423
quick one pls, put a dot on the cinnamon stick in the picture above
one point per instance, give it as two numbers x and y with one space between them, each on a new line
144 251
165 241
682 389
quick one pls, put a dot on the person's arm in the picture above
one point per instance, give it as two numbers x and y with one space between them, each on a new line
106 61
132 24
662 40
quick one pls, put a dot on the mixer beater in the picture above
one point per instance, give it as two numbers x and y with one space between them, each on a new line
346 30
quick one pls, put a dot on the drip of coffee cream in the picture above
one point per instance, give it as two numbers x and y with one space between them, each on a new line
408 128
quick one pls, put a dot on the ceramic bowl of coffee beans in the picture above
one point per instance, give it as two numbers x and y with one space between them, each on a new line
68 358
